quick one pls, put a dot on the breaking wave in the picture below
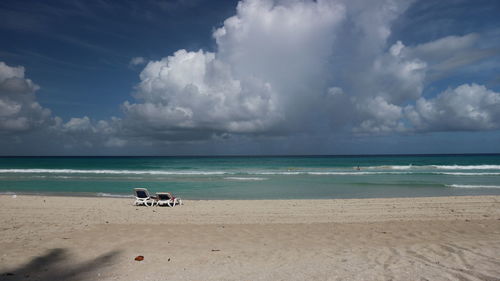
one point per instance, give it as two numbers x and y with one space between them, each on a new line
467 167
247 174
467 174
245 179
472 186
112 172
438 167
103 194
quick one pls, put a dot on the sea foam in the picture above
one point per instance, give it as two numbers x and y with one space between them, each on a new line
434 167
120 172
467 167
245 179
103 194
472 186
467 174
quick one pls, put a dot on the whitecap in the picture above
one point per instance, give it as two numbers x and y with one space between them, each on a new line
472 186
467 167
467 174
136 172
245 179
102 194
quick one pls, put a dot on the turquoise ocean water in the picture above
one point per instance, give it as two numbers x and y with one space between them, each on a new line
255 177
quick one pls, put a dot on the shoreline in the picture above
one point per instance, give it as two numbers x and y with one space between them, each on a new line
132 196
97 238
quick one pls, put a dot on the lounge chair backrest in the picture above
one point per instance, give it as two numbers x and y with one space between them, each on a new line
163 196
141 193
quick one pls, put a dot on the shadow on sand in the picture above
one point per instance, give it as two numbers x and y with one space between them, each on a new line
57 264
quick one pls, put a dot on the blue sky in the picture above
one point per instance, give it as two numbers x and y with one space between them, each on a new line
250 77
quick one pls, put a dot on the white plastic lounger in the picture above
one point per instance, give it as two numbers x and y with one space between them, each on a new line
142 197
166 198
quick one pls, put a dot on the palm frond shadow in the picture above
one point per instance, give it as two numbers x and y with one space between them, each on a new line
57 264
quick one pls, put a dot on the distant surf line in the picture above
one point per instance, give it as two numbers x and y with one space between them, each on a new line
471 186
237 172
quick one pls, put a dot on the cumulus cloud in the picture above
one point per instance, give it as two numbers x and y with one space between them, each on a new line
78 131
196 91
270 62
468 107
19 110
20 113
286 67
383 118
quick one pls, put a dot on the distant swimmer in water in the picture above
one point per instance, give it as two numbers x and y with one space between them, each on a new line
358 168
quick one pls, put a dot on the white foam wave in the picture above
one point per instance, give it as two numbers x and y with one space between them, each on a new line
112 172
467 174
467 167
334 173
192 173
355 173
407 167
392 167
64 173
102 194
275 173
472 186
7 193
245 179
439 167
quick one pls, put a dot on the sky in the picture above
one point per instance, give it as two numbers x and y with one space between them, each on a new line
250 77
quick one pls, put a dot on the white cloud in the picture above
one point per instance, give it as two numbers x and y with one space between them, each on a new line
446 47
397 77
465 108
19 110
451 53
135 61
90 133
268 72
382 117
194 90
7 72
21 113
78 125
283 67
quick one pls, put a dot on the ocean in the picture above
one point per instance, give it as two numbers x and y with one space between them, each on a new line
242 177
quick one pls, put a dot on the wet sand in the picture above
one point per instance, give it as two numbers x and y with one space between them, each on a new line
79 238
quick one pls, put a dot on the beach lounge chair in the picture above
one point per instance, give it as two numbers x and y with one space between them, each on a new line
142 197
166 198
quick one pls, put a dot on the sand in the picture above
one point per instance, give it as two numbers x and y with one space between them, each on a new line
79 238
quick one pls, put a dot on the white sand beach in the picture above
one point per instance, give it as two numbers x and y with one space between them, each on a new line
82 238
